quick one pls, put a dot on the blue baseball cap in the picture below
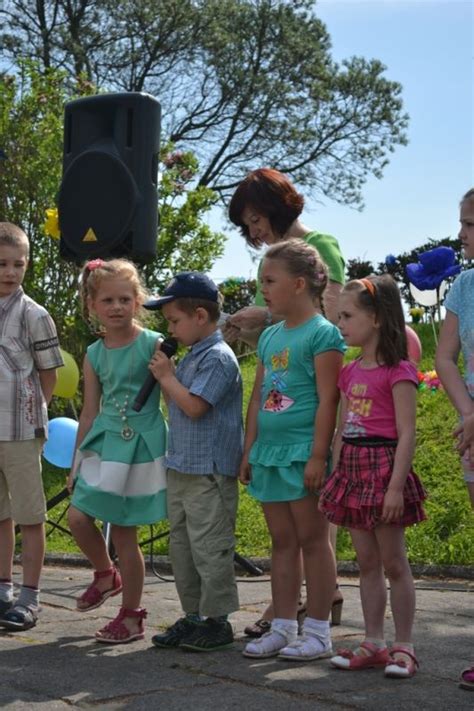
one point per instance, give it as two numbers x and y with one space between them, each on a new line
186 285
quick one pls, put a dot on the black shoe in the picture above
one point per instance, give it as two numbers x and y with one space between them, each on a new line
4 607
209 636
19 618
175 634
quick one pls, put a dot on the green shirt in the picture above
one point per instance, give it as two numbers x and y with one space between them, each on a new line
330 252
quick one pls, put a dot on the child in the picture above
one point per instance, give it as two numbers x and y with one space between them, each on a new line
118 475
456 334
29 356
204 398
290 424
373 490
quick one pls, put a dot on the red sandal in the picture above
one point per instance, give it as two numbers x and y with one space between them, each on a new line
93 597
375 657
401 668
116 632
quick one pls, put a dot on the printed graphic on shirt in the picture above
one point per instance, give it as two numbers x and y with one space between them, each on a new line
359 407
275 400
280 360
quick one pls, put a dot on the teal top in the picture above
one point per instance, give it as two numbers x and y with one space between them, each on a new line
330 253
289 397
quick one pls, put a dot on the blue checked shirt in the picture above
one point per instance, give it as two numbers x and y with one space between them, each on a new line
211 444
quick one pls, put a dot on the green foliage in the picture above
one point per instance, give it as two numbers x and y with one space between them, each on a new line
238 293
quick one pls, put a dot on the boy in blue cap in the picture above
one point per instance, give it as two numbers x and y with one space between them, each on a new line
204 398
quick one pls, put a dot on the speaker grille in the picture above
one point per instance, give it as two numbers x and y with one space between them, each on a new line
98 197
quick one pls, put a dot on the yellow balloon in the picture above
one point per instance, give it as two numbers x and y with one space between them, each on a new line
68 377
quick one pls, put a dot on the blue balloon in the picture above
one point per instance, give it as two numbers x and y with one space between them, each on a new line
59 447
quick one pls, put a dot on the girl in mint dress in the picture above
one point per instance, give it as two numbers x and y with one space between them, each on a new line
290 425
118 475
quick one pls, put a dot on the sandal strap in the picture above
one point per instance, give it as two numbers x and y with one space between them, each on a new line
141 613
105 573
401 662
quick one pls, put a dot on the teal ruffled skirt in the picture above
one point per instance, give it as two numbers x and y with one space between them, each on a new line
278 471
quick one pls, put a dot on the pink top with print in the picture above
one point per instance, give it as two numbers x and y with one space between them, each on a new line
370 410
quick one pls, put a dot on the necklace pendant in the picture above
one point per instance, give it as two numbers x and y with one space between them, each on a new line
127 433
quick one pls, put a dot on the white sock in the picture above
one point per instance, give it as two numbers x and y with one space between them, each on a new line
316 628
6 591
29 597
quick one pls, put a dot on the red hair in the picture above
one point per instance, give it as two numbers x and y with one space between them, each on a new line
272 195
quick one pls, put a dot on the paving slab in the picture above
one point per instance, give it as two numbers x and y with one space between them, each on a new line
58 665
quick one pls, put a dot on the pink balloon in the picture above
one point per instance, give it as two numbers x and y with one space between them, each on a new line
414 345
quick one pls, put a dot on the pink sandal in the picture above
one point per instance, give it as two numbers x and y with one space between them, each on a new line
116 632
401 668
93 597
346 659
467 679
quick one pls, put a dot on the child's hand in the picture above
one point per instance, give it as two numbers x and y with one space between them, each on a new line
465 434
245 472
393 506
314 473
161 366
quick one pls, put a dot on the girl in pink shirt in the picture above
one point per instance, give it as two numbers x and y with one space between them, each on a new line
373 490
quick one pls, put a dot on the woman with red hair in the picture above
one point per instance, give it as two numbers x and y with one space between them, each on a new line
266 207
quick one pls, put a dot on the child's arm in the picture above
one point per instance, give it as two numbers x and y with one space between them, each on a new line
404 399
447 355
337 442
90 408
251 425
327 367
48 382
192 405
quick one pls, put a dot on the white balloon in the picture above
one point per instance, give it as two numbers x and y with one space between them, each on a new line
427 297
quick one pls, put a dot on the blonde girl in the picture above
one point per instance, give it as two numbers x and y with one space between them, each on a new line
290 424
456 336
118 475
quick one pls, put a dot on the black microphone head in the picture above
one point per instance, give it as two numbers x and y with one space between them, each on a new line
169 346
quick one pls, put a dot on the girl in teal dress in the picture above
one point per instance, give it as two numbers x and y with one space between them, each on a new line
290 425
118 474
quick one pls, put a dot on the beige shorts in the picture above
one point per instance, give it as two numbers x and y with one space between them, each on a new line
21 485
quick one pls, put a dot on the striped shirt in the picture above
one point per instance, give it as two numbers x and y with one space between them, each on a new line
28 344
211 444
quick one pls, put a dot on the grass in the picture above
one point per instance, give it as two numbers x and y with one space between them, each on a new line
447 537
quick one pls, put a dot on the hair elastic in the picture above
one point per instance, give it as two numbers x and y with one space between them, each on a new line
368 285
95 264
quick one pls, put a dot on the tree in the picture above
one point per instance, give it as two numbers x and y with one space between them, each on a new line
358 269
31 109
243 83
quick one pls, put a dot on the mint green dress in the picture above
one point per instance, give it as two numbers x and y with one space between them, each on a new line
121 477
289 402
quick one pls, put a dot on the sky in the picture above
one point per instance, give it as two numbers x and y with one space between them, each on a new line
428 47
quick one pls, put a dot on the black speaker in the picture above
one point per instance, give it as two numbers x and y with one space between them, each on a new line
108 199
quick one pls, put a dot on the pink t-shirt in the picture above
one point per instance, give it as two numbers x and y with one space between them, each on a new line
370 410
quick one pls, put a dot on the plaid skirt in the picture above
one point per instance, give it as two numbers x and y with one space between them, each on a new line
354 493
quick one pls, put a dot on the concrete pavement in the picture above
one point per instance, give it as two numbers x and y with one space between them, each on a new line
58 665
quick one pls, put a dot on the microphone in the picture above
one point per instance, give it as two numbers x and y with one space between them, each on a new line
169 347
